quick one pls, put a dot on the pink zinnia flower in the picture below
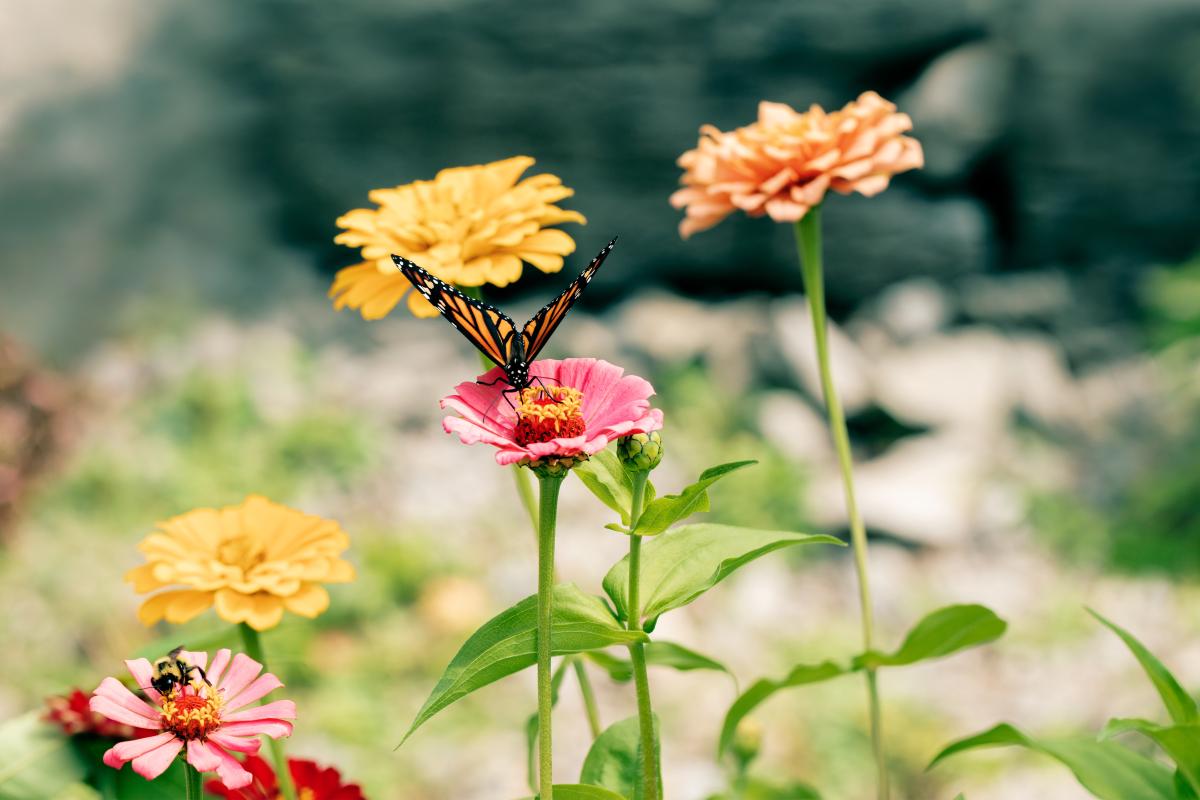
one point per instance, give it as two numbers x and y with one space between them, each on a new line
206 719
574 408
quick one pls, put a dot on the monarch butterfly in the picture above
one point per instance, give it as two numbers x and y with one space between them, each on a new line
490 329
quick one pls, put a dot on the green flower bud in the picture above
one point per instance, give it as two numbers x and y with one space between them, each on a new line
747 741
555 466
641 452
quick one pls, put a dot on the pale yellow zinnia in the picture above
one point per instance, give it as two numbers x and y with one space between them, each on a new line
252 562
469 226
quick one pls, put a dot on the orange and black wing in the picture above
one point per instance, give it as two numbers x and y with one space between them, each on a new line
539 329
485 326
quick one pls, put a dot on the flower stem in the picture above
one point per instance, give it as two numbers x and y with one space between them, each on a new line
549 486
589 697
283 775
808 245
637 651
191 782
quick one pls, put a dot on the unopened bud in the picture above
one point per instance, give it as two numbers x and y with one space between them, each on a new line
641 452
747 741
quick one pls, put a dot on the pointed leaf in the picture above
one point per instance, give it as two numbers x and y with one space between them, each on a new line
664 512
1106 769
939 634
658 653
605 476
801 675
579 791
1179 703
615 759
684 563
38 761
507 643
1180 742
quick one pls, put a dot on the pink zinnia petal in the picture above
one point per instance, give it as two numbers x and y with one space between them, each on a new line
260 687
275 728
219 663
142 672
201 757
280 709
240 744
155 762
121 752
242 670
117 703
230 771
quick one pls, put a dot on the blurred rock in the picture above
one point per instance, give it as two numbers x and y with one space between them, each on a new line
913 309
960 107
792 324
1036 297
794 427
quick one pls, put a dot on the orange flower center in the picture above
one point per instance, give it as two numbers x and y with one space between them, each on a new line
548 412
190 716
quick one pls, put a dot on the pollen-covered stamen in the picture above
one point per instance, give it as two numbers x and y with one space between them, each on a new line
548 412
189 715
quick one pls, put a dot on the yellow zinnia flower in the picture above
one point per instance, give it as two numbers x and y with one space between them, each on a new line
468 226
251 561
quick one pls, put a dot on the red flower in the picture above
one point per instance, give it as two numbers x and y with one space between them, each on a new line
313 782
72 713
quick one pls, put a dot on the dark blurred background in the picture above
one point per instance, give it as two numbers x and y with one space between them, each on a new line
1017 345
210 146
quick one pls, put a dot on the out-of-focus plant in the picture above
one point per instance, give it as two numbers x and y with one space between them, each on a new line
782 166
1107 767
33 426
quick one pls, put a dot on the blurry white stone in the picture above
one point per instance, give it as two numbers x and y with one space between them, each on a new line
923 490
914 308
665 327
998 298
793 427
792 323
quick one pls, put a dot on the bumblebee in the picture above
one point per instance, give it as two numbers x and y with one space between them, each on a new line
175 670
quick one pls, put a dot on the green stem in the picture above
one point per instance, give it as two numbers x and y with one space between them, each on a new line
808 244
283 775
191 782
637 651
549 486
589 697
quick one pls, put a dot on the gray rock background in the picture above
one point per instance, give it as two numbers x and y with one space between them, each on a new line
167 154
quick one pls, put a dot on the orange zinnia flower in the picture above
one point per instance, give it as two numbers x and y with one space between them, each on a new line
468 226
783 164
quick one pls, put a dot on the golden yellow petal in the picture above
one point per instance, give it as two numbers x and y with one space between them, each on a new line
339 572
260 610
420 307
310 601
143 579
551 241
174 606
543 261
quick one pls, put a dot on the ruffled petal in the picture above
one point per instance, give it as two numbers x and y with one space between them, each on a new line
155 762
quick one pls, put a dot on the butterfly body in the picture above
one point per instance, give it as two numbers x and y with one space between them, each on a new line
493 332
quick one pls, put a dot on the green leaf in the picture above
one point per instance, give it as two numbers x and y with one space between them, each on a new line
664 512
684 563
658 653
1180 742
579 791
1106 769
1179 703
615 759
939 634
507 643
37 761
757 789
605 476
801 675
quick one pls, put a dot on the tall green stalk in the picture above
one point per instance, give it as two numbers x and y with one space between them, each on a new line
525 492
808 245
637 651
283 775
192 789
549 486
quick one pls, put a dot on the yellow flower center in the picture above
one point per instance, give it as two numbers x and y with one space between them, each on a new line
191 716
548 412
246 552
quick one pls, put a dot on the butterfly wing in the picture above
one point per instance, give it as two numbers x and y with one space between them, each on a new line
485 326
539 329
